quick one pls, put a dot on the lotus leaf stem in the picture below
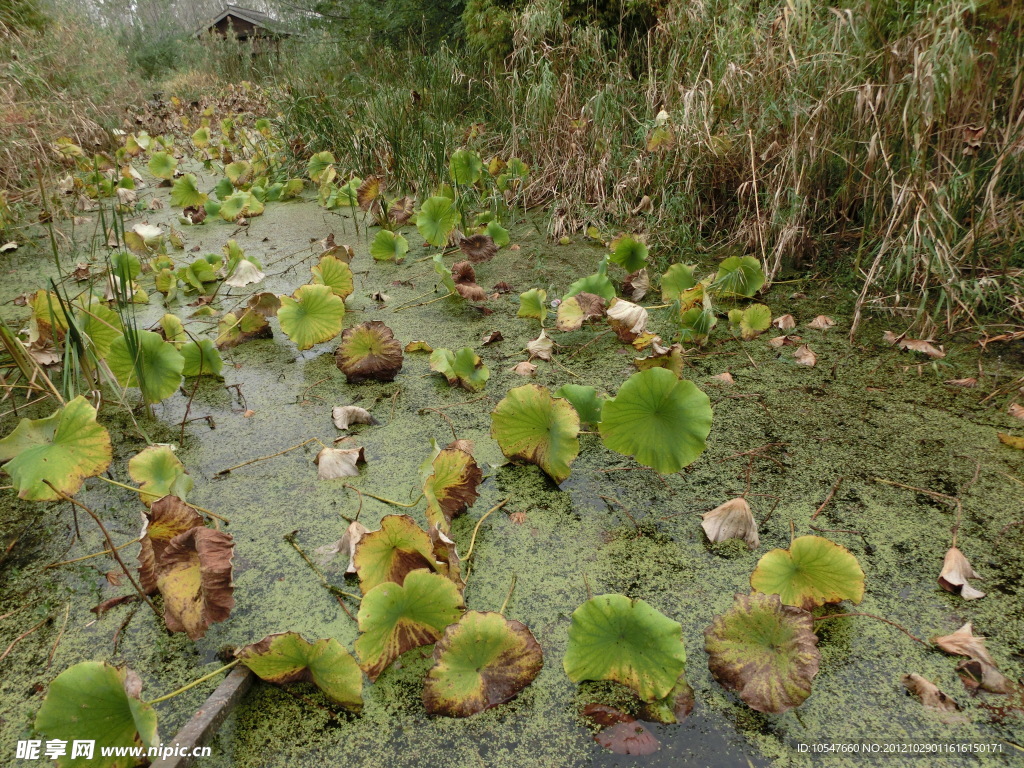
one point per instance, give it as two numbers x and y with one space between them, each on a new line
511 588
89 557
271 456
413 503
194 683
900 627
139 490
476 530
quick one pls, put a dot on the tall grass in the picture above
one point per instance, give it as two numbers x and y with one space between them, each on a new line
881 143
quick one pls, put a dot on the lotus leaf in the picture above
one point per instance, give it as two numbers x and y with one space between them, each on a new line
290 658
98 702
166 518
63 449
396 618
232 330
312 316
481 661
696 324
194 576
629 253
389 246
659 420
498 234
676 281
765 651
369 351
321 168
739 276
436 220
533 304
463 368
162 165
185 192
465 167
478 248
532 426
584 399
615 638
812 572
399 547
335 274
152 364
451 485
201 359
157 470
750 322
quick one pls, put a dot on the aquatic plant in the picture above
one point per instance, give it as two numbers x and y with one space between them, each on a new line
812 572
312 315
532 426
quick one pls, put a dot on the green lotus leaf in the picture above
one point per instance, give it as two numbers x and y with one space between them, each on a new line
481 661
750 322
348 194
152 364
289 658
166 281
312 316
629 253
241 203
765 651
530 425
463 368
201 359
369 351
335 274
533 304
239 173
193 574
451 485
233 330
678 279
673 708
739 276
812 572
173 330
597 284
659 420
321 168
224 189
389 246
396 618
584 399
437 220
391 553
96 322
124 264
614 638
696 324
95 701
201 138
292 188
162 165
444 273
201 272
63 448
156 469
185 192
465 167
498 234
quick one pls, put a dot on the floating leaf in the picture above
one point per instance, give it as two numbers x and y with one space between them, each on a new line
765 651
463 368
185 192
154 366
96 702
530 425
804 355
576 310
821 323
396 618
597 284
368 193
194 576
732 520
63 449
812 572
156 469
627 319
335 274
168 517
290 658
239 173
739 276
676 281
201 359
620 733
669 358
659 420
929 693
695 324
451 486
389 246
915 345
964 642
346 415
956 571
1013 441
369 351
614 638
321 168
498 234
173 330
524 368
97 323
162 165
584 399
312 316
637 285
436 220
465 167
332 463
481 661
532 304
540 347
347 543
674 708
391 553
478 247
232 331
784 322
245 272
751 321
629 253
418 346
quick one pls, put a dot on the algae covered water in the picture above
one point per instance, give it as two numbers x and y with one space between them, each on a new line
865 429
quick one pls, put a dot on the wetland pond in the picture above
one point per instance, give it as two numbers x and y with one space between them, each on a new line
804 445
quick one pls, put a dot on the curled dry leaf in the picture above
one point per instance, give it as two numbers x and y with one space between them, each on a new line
418 346
914 345
620 733
821 323
369 351
540 347
166 518
929 693
491 338
264 304
968 383
478 247
976 674
194 577
805 356
346 415
464 277
347 544
955 573
471 291
724 378
1016 410
524 369
732 520
401 210
964 642
502 287
637 284
332 463
628 320
784 322
784 341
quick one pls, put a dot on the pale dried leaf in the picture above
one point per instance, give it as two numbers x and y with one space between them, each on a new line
955 573
1016 410
929 693
540 347
333 463
805 356
637 284
784 322
968 383
347 544
821 323
976 673
732 520
724 378
627 319
346 415
964 642
524 368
